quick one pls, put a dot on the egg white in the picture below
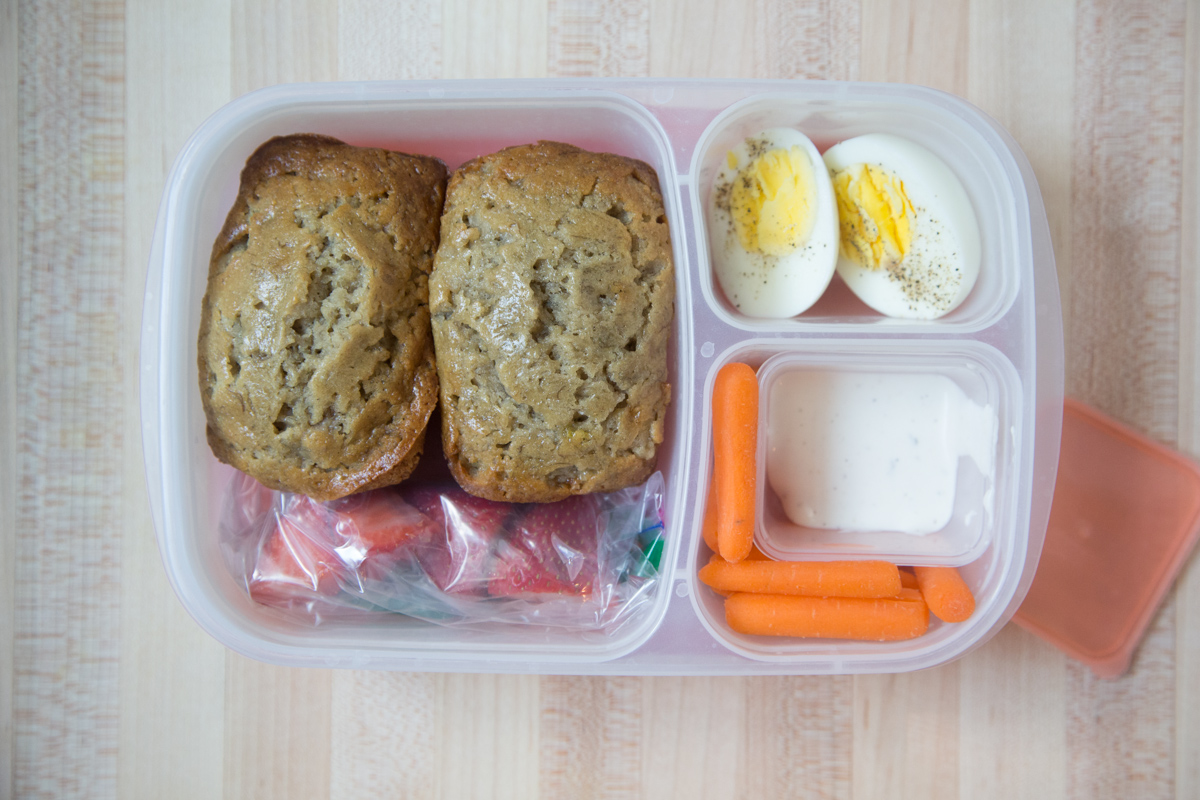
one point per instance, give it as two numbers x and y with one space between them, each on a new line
770 286
942 265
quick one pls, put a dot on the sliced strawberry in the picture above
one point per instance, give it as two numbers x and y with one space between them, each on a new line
517 571
459 556
381 522
292 564
556 543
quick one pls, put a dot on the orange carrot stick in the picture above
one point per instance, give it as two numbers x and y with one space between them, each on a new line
907 579
735 441
708 528
812 578
872 619
947 594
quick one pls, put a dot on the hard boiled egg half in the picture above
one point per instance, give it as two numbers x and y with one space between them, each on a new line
909 238
774 225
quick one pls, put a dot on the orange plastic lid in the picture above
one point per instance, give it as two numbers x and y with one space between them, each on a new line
1125 515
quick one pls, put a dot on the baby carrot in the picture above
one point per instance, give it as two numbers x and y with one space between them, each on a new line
812 578
907 579
946 593
708 528
871 619
735 440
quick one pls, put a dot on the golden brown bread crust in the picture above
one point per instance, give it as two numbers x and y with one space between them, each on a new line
552 297
316 359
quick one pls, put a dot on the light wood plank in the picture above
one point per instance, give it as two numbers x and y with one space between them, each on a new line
393 41
1123 346
501 40
1189 240
595 38
1187 590
11 276
1120 740
906 733
815 40
385 737
488 734
590 737
704 40
68 488
1012 700
694 730
278 731
282 42
172 688
1032 97
798 740
916 41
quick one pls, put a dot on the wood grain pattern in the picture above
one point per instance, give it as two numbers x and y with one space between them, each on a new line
692 735
590 732
718 41
394 41
1187 592
473 47
1108 721
1122 348
288 42
798 737
172 674
70 132
123 695
10 275
384 730
279 736
819 40
1011 705
593 38
906 733
916 41
488 734
1034 98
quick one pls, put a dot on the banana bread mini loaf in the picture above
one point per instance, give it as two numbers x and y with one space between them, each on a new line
316 357
552 297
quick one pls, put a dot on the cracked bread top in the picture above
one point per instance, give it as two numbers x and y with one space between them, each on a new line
316 358
552 297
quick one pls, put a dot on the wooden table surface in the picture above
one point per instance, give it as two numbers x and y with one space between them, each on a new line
107 687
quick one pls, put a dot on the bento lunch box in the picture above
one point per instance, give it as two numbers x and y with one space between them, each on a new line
1002 347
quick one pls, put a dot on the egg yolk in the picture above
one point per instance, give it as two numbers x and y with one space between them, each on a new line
875 215
773 201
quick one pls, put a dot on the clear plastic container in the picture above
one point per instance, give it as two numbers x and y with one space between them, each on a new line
980 491
1008 330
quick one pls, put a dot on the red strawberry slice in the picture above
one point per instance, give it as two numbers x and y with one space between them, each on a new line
517 571
293 564
381 522
551 550
458 557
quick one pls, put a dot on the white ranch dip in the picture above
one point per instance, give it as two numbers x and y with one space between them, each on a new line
873 451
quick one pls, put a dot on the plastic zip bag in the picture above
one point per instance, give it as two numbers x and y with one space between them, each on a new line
433 552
